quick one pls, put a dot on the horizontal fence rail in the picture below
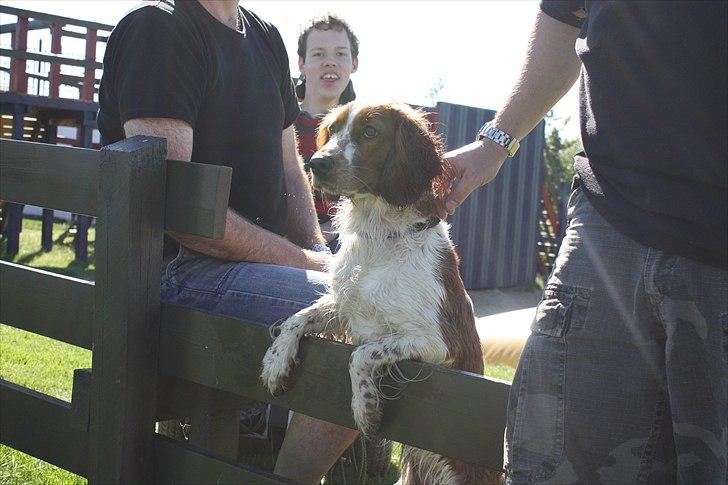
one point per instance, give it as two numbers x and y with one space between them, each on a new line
52 305
66 178
42 426
453 413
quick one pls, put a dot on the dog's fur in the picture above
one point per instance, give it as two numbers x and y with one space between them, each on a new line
395 288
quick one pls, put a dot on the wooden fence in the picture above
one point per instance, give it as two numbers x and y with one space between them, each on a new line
151 359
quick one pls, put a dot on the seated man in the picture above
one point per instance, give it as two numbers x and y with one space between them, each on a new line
328 53
213 79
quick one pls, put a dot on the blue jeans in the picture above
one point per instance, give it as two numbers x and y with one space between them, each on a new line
262 293
624 378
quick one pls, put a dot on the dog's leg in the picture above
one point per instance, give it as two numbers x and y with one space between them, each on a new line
280 359
372 359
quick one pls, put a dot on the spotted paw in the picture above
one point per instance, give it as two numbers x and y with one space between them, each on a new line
278 363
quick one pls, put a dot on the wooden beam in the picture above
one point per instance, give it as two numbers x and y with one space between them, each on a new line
19 12
183 464
40 425
52 58
65 178
49 304
453 413
129 238
197 198
56 177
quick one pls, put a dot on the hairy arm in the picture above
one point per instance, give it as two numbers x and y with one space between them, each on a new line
550 69
243 241
302 224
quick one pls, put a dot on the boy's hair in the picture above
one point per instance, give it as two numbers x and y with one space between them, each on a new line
328 22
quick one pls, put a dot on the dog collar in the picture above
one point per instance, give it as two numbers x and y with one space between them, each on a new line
417 227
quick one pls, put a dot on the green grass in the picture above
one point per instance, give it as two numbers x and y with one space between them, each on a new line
46 365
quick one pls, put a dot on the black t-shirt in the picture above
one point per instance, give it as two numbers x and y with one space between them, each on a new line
234 88
653 120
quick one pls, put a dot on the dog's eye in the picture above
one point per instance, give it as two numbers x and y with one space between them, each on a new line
370 132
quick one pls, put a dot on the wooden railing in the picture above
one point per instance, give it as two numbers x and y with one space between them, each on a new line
153 360
19 53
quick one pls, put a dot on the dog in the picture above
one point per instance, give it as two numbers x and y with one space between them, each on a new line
395 290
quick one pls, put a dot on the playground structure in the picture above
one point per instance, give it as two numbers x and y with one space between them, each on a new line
41 92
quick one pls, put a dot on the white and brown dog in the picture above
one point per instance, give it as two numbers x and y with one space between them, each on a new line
395 288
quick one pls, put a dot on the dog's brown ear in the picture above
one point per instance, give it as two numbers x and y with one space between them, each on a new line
415 163
322 132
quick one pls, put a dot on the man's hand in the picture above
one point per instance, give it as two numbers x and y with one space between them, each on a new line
473 166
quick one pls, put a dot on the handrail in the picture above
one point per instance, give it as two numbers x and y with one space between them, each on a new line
19 12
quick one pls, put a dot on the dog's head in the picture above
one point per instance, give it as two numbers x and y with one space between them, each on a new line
384 150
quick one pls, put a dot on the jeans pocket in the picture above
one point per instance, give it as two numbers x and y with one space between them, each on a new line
535 433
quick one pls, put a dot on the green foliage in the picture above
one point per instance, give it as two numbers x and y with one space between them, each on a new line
558 157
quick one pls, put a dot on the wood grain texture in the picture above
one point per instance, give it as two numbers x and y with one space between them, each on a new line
129 237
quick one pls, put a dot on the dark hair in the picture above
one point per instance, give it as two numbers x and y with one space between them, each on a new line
327 22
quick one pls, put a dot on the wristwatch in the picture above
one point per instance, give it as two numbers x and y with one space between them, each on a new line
509 143
320 248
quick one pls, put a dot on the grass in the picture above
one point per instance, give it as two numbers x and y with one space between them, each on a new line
46 365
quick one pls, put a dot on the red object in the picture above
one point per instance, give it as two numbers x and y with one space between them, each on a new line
18 77
55 74
306 126
87 91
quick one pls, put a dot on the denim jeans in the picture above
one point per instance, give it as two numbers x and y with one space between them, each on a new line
262 293
624 378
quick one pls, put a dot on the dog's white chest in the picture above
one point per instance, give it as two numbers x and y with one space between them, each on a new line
385 288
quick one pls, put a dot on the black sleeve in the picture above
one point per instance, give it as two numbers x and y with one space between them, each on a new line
288 94
572 12
158 67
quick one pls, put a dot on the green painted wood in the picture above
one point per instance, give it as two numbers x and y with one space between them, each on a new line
81 399
197 198
453 413
182 464
52 176
59 307
129 236
40 425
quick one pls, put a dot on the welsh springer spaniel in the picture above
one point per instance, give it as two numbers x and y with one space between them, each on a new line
395 288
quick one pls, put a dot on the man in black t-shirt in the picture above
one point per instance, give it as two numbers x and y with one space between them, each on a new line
624 378
213 79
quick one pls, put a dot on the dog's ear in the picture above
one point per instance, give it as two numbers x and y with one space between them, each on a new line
322 132
415 162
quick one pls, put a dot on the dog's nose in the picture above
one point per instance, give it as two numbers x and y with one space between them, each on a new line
320 164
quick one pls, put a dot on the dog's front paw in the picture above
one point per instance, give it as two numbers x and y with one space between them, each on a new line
278 363
366 406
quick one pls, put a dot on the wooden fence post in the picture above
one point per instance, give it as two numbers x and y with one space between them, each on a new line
18 76
129 240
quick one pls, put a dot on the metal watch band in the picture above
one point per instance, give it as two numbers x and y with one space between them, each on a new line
508 142
320 248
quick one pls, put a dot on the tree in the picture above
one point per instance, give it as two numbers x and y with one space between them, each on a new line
558 157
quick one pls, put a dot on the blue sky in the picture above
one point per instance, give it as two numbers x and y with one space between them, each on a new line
472 48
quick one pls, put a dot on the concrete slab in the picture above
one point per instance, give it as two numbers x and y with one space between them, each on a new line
503 319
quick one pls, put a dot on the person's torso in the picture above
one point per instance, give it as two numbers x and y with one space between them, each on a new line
653 120
241 114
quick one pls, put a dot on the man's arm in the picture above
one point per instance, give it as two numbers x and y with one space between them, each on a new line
550 68
302 224
243 241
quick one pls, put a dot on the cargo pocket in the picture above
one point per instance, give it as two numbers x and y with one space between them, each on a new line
535 431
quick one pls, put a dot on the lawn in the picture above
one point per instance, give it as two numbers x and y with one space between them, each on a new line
47 365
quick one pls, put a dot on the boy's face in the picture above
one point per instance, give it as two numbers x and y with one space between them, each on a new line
328 63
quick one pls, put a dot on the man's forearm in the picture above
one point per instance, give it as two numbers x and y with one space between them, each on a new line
244 241
302 224
550 69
